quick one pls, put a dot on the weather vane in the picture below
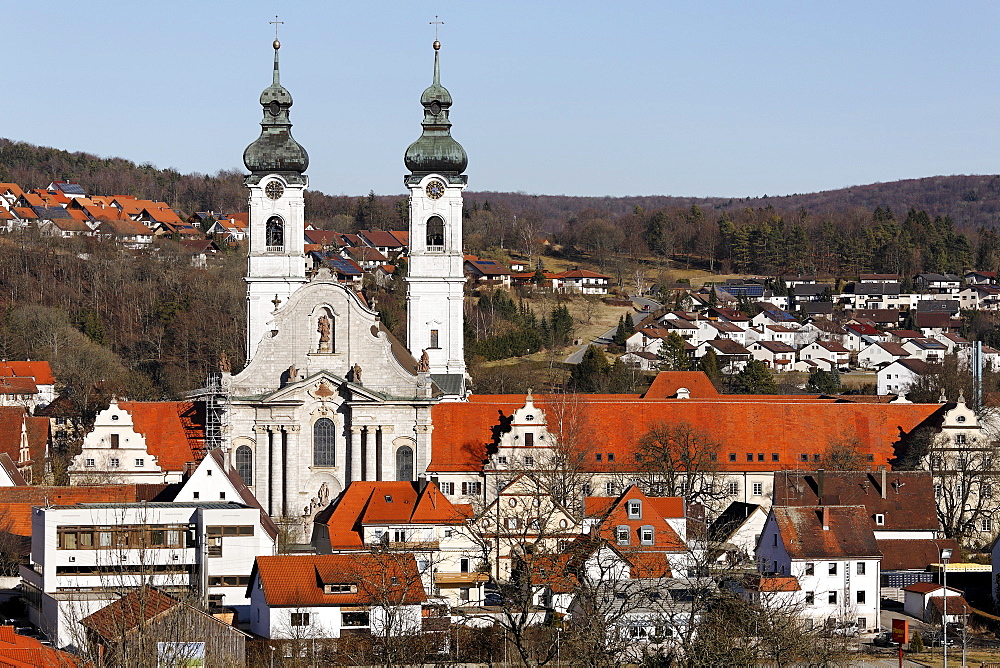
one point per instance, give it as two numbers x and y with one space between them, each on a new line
434 23
276 22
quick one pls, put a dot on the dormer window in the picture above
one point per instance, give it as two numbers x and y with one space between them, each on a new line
879 519
388 499
622 535
646 535
635 509
340 589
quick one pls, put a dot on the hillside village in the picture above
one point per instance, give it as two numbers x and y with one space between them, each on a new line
795 462
644 514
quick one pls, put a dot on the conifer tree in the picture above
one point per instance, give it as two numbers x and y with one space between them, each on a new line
673 356
755 378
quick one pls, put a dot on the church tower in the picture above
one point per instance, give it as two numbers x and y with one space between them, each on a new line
436 278
276 262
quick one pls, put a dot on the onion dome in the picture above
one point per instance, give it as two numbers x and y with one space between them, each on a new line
275 151
436 151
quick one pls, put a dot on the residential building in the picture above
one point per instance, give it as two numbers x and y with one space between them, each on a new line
897 377
832 552
584 281
332 595
881 354
775 354
925 601
838 355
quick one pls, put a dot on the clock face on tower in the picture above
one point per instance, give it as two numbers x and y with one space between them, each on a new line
435 189
274 190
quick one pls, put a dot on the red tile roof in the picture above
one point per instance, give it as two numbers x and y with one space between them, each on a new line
788 425
902 554
18 501
17 651
365 503
655 512
40 371
136 608
909 503
849 533
298 580
581 273
174 433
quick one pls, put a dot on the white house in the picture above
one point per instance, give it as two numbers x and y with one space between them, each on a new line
832 552
928 350
584 281
778 356
897 377
826 350
323 596
877 355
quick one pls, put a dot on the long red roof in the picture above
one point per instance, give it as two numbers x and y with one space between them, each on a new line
788 426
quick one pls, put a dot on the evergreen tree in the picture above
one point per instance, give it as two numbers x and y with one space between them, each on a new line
591 374
755 378
673 356
823 382
621 334
709 363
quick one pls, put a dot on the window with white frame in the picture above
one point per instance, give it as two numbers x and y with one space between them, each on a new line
758 489
471 488
140 462
610 488
986 524
115 463
732 488
90 463
447 487
879 519
646 535
622 535
635 509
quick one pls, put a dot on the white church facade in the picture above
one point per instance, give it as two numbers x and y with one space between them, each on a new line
328 396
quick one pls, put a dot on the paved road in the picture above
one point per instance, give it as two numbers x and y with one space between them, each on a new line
604 339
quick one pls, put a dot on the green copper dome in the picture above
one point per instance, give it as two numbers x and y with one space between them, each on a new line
436 151
275 151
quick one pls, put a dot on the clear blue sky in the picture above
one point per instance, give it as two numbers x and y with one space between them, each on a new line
579 98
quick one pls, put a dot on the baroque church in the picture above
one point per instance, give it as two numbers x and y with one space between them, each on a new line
328 396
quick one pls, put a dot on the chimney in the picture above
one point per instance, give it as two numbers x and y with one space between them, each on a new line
825 510
421 483
882 470
820 478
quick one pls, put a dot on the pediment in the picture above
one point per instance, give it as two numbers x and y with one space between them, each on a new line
322 386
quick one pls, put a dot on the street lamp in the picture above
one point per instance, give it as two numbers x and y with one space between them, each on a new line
945 557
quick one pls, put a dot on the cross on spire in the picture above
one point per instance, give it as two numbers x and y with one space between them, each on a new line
434 23
276 22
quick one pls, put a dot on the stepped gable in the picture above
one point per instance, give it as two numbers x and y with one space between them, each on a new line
172 431
788 426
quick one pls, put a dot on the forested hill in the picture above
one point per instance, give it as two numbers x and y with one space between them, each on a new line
970 201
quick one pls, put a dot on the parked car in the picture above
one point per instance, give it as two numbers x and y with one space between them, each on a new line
936 639
883 639
845 629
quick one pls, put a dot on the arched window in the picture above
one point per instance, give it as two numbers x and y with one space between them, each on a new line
404 463
244 464
324 443
275 234
435 233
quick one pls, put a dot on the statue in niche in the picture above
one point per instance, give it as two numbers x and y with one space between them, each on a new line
293 373
356 374
324 328
424 365
225 366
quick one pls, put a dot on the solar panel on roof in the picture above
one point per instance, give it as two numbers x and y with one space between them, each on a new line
72 189
343 266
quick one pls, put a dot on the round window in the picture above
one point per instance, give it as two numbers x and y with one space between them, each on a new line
563 524
960 418
512 503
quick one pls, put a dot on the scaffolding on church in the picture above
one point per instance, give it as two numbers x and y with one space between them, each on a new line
217 399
